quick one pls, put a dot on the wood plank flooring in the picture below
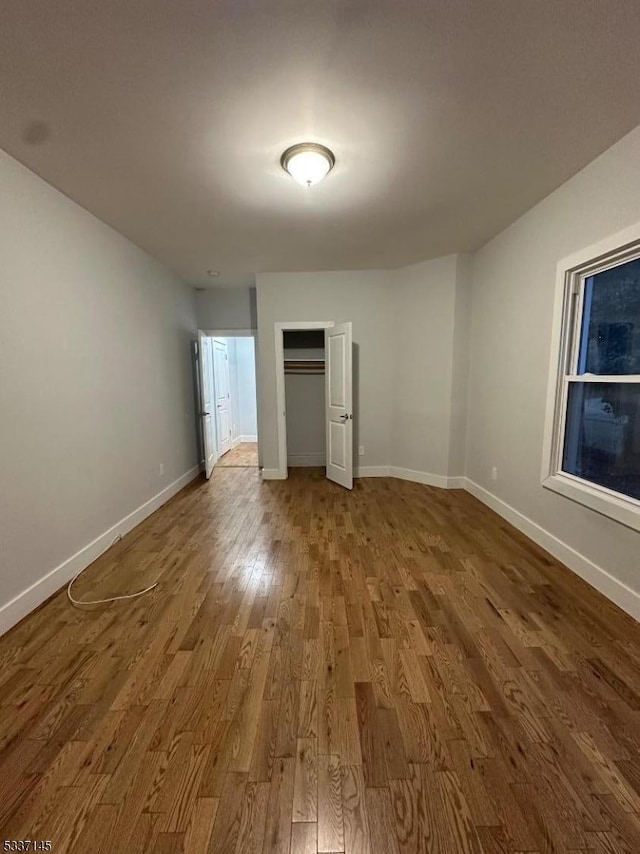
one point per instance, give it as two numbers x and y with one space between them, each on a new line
390 670
243 455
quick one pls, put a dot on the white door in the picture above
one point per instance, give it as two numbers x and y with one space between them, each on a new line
339 404
206 402
223 394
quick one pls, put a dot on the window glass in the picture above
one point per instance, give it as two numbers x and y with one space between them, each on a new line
602 436
610 339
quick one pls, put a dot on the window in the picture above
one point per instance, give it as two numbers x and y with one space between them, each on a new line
594 450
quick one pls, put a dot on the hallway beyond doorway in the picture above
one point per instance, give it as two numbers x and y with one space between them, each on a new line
245 455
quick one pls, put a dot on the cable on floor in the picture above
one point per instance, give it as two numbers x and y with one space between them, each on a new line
77 602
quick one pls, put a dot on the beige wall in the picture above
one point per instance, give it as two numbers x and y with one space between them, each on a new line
429 375
460 365
226 308
95 381
512 312
306 431
305 399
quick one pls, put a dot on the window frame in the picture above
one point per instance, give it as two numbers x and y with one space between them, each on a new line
571 274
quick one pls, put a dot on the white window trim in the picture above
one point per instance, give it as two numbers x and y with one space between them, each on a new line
616 249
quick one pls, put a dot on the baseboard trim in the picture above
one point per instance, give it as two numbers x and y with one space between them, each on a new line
273 474
459 482
596 576
24 603
248 438
303 460
412 475
371 471
440 480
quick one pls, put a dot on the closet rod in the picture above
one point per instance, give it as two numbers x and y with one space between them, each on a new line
304 366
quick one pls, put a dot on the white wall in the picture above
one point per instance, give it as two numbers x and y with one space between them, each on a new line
95 383
512 313
242 388
430 332
246 383
363 297
236 430
460 365
226 308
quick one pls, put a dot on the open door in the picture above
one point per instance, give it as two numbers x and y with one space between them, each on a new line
339 404
222 394
206 385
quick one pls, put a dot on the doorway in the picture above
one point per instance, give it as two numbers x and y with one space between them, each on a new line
304 391
229 395
314 398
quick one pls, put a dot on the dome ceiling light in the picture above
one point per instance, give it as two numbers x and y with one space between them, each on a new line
308 162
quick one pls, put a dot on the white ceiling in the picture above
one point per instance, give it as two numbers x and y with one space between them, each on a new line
448 118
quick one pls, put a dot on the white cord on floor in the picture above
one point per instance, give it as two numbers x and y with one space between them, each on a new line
77 602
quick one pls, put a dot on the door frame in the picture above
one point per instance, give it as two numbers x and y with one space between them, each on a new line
281 421
202 384
240 333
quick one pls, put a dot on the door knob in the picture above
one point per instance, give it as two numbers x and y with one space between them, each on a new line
344 417
203 414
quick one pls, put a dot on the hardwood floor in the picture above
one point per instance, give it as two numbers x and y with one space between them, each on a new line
245 454
390 670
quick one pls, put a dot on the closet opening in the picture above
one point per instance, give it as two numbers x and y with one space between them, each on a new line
314 398
304 387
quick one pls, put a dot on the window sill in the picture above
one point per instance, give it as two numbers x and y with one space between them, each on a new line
602 500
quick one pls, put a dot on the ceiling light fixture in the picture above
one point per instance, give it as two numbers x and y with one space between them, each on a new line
308 162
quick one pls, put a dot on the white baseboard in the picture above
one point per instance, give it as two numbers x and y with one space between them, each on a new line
303 460
371 471
273 474
424 477
440 480
459 482
596 576
248 438
22 604
235 442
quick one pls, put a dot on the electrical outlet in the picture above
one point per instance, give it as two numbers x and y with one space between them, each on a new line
160 469
361 450
494 473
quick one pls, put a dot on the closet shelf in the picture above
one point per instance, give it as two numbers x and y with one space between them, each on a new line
304 366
